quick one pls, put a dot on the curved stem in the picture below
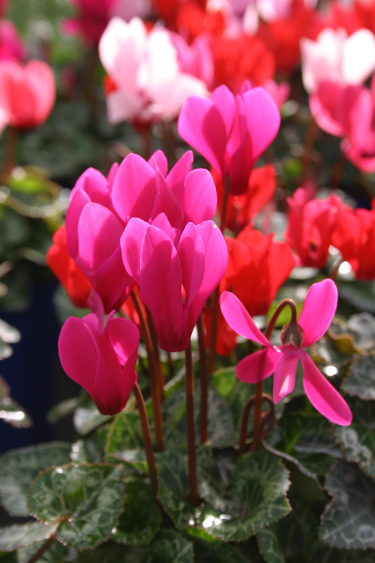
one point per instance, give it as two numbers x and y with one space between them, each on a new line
190 426
203 378
42 549
156 404
146 434
257 429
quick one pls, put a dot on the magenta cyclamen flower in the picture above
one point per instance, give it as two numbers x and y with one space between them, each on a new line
101 358
231 132
176 272
314 320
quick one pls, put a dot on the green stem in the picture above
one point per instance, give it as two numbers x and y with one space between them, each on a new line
203 378
146 434
190 426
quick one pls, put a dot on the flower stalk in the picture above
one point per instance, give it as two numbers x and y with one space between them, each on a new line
192 461
146 434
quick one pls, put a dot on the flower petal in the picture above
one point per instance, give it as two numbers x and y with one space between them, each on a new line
258 365
134 188
322 395
239 319
318 310
285 376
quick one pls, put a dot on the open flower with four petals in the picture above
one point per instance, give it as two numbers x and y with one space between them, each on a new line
282 361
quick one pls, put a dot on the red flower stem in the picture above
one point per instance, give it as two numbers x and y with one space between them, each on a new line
190 426
146 137
203 378
215 294
42 549
246 415
146 438
308 146
158 368
257 429
156 404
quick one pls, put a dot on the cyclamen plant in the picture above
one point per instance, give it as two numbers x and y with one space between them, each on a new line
187 449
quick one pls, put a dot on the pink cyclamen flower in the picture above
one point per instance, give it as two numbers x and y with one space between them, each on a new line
316 316
11 46
147 82
101 358
338 58
27 94
176 272
93 231
231 132
348 112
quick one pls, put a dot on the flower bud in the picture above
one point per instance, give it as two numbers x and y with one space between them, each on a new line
292 333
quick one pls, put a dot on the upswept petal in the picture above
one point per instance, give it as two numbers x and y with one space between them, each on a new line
167 204
134 189
99 232
358 58
177 175
131 245
199 196
124 338
263 119
162 223
199 117
95 185
191 253
216 260
285 375
239 319
160 287
322 395
78 200
224 100
124 106
158 161
78 353
318 310
120 51
259 365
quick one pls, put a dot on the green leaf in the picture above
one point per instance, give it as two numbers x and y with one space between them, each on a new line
255 498
21 535
56 553
220 422
361 381
62 410
325 554
87 418
141 518
349 520
358 444
86 499
216 552
358 293
19 467
124 441
291 538
306 440
12 413
174 487
170 547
